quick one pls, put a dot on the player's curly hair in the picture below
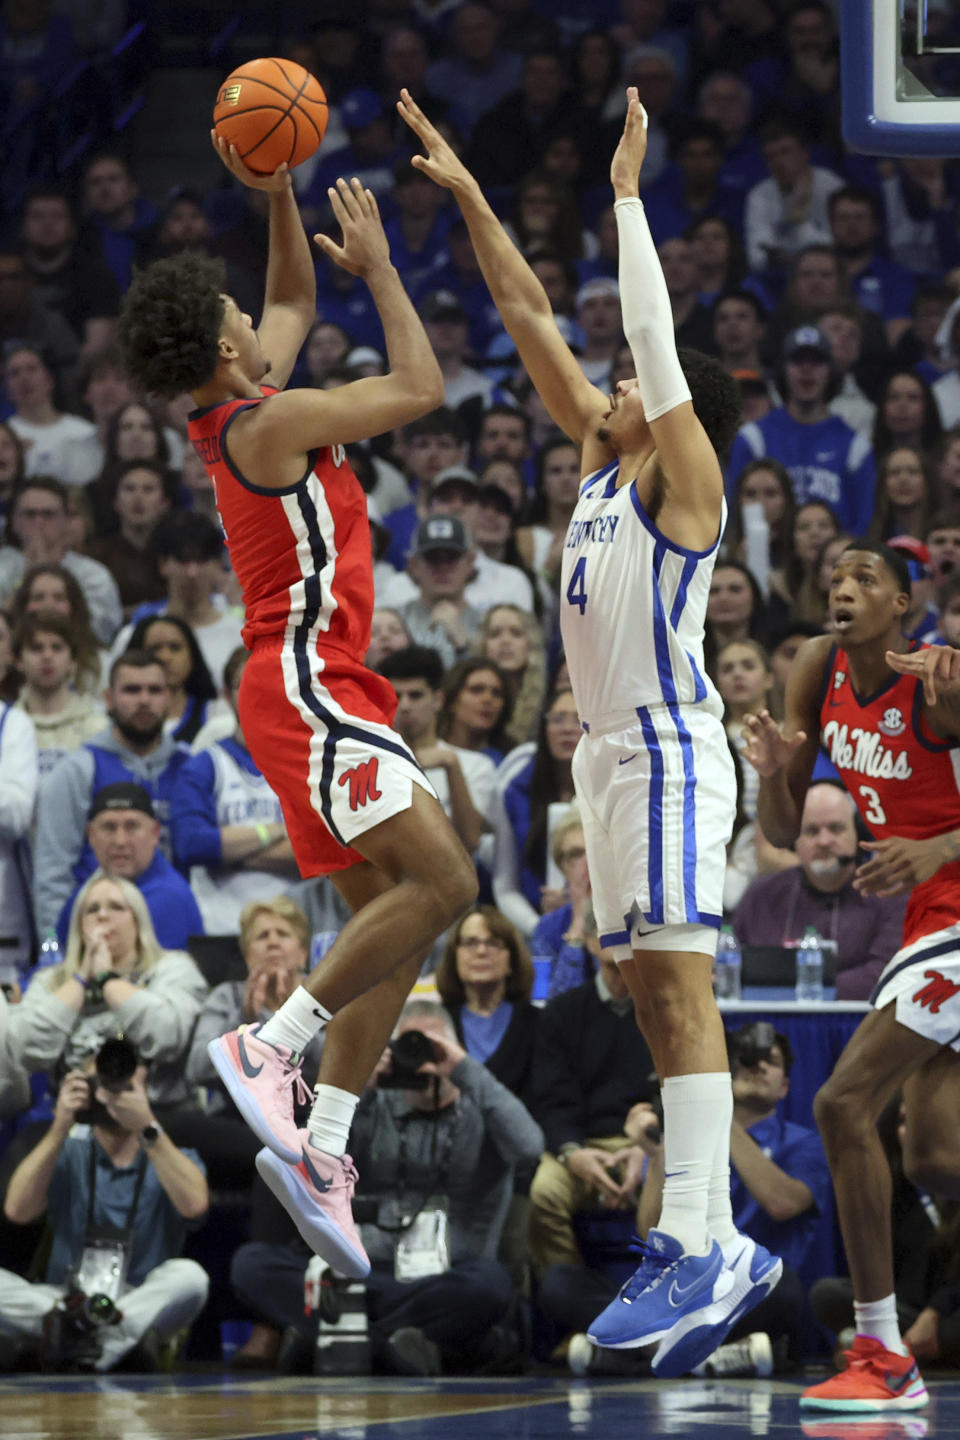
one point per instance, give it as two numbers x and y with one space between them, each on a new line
716 398
170 323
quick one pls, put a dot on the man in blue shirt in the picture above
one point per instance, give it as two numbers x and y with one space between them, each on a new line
826 459
142 1186
123 833
877 284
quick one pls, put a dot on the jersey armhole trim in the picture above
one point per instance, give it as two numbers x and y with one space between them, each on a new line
241 479
662 539
827 677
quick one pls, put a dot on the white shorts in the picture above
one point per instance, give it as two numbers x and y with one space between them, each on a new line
657 800
923 979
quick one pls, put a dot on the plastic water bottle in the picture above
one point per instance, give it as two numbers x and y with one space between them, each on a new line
726 966
810 967
49 949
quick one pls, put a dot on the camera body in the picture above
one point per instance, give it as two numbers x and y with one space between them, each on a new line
408 1052
116 1064
751 1044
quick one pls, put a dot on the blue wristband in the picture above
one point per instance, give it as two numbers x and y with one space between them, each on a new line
81 979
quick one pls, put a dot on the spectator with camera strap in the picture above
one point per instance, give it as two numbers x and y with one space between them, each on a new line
117 1193
437 1140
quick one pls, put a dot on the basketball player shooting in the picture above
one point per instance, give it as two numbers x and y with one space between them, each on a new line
653 773
356 804
887 712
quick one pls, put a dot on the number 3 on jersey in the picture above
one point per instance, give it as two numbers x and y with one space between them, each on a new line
874 813
576 590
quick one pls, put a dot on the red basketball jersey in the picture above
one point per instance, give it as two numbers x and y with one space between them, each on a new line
904 779
301 553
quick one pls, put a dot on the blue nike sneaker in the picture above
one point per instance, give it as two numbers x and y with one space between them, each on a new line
667 1286
753 1273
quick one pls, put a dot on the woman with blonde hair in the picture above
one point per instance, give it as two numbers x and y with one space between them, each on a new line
485 979
115 977
513 640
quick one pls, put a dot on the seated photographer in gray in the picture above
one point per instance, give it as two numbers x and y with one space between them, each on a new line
115 977
437 1140
118 1195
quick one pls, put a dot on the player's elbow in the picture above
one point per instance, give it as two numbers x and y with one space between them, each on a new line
425 390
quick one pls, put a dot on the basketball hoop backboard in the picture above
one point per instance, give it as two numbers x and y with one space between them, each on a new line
900 69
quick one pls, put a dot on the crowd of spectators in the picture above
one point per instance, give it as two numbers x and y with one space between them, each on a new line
146 881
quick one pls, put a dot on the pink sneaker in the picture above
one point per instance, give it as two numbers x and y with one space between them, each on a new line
261 1079
317 1193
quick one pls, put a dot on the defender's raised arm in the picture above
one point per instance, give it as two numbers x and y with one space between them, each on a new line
517 293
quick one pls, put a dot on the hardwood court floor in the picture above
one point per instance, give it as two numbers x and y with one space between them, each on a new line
214 1407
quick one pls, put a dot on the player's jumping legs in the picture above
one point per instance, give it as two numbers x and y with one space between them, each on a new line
421 880
877 1061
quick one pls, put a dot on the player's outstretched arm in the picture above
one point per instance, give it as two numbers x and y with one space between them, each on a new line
521 300
784 757
686 455
302 420
290 299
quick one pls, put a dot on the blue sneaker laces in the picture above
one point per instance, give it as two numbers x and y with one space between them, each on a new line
653 1266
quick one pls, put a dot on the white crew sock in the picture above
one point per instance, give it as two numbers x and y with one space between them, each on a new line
719 1214
695 1108
878 1319
296 1022
331 1118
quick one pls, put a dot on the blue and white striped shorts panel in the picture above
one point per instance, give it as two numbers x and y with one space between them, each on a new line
658 801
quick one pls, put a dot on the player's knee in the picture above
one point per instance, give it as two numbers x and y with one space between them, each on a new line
457 887
839 1108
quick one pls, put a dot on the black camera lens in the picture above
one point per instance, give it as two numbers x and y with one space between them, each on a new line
411 1050
116 1063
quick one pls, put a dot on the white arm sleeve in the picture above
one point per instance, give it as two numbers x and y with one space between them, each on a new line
647 316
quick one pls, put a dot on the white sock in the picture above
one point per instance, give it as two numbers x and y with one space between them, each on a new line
719 1214
330 1119
695 1107
296 1022
878 1320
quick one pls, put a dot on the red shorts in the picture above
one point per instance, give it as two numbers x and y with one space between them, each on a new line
318 726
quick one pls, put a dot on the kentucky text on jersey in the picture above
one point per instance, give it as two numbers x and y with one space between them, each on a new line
582 532
864 752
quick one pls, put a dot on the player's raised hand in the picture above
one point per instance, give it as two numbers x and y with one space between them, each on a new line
632 147
764 745
938 667
364 246
279 180
440 162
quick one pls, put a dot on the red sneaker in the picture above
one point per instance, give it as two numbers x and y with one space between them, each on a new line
875 1379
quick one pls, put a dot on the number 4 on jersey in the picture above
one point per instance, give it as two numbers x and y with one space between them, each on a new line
576 590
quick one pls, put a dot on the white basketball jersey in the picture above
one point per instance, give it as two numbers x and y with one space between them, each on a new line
242 798
632 607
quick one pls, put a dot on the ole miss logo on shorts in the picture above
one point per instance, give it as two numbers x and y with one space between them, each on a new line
362 780
936 992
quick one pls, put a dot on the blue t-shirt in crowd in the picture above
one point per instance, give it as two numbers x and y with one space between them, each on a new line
482 1033
885 288
169 899
799 1153
826 461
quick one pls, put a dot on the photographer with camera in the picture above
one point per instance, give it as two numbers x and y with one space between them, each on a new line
779 1184
117 1193
437 1139
114 976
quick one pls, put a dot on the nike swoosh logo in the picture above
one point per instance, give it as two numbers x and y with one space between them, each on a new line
900 1382
628 759
672 1174
251 1071
322 1185
678 1294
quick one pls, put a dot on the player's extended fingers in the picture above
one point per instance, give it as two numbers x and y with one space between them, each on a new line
340 212
347 197
412 113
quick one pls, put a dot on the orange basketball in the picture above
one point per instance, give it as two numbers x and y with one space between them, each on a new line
272 111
